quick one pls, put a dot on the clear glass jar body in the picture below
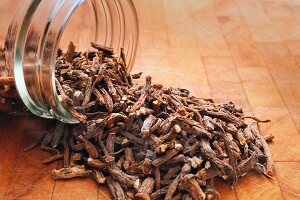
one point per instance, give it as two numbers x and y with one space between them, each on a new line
31 31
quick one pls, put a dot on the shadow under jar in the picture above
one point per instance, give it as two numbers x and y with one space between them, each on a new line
31 32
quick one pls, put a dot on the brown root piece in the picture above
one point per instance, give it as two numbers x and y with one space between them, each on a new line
111 89
189 183
193 149
164 158
156 125
195 161
71 172
266 149
115 117
197 116
261 156
204 174
232 160
145 190
143 96
159 193
64 98
132 138
76 156
248 135
269 137
105 49
99 96
144 167
66 148
180 158
211 156
173 186
87 106
99 176
47 138
210 190
115 76
34 144
58 133
168 145
157 177
218 148
54 158
107 99
9 93
207 123
227 117
88 92
123 59
171 172
175 130
107 158
178 196
50 149
166 182
127 181
89 147
148 123
256 119
95 163
120 162
115 189
80 117
136 76
110 144
240 137
77 147
70 52
247 165
129 159
186 196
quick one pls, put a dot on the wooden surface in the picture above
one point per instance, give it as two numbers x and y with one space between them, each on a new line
247 51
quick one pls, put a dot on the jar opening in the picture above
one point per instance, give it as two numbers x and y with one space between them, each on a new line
44 26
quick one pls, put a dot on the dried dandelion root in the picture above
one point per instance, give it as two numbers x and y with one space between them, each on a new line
146 141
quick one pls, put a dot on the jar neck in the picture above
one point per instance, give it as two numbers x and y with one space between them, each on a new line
33 38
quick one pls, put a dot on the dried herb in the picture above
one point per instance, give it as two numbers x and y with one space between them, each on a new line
147 141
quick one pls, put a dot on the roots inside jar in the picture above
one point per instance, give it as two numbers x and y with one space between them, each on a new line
9 98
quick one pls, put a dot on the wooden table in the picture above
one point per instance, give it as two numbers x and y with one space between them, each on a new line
247 51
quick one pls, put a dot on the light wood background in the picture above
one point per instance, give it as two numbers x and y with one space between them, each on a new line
245 51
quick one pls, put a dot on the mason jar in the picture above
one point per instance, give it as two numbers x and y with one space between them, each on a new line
31 31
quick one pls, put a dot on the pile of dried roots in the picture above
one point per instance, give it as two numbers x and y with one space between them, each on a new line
146 141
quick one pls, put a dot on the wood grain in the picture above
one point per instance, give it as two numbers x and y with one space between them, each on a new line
246 51
290 185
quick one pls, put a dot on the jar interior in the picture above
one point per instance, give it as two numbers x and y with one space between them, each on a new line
80 28
42 27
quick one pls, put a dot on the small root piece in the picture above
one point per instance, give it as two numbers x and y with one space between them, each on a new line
34 144
256 119
71 172
54 158
269 138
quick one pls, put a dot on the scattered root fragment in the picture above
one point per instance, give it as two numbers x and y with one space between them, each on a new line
71 172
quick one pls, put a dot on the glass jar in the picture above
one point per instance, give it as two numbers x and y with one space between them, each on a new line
31 32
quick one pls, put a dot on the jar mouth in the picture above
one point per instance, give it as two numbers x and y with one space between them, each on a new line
38 40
